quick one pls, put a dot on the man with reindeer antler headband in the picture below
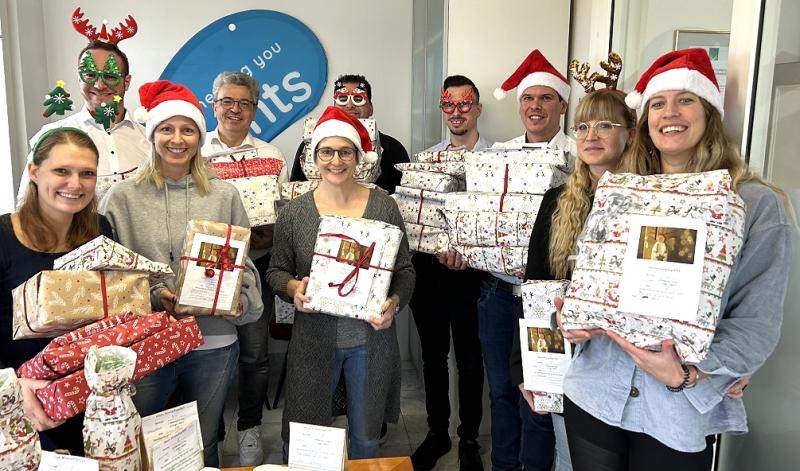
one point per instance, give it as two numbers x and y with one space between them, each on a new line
104 76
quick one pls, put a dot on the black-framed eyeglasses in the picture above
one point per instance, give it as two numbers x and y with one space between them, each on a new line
346 154
111 79
602 129
449 107
244 103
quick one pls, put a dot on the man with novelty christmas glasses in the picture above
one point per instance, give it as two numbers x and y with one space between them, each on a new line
103 74
353 95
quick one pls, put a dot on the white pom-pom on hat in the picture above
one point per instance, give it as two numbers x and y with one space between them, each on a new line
370 157
499 93
633 100
141 115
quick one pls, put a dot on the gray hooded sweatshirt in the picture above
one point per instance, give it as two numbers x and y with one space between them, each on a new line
152 221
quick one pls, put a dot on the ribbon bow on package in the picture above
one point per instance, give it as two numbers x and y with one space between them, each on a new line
352 266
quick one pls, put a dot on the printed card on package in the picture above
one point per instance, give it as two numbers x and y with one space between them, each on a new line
172 439
55 462
663 267
545 356
317 448
199 289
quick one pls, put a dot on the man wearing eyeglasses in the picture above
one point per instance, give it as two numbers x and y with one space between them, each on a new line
104 73
353 95
445 300
235 104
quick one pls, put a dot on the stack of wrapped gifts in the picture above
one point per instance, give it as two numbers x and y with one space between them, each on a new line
155 340
98 279
352 266
421 196
654 258
255 177
491 223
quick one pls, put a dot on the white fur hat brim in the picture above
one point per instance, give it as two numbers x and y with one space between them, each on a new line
167 109
335 128
546 79
683 79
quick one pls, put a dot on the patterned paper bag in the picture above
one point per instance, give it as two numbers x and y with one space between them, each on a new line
19 443
352 266
593 298
508 260
534 173
212 269
102 253
258 194
112 424
426 239
420 206
52 303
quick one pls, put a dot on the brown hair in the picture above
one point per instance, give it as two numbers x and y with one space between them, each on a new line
85 224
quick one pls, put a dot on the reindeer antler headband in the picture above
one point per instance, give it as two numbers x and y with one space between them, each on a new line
612 70
121 32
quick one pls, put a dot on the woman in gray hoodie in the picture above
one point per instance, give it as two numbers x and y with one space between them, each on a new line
149 214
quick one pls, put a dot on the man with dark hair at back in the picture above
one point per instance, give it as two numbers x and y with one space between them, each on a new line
104 73
353 94
446 300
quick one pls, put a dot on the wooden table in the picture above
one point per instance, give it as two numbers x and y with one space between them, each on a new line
398 463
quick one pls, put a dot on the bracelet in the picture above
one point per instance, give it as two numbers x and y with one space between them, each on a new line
683 385
694 382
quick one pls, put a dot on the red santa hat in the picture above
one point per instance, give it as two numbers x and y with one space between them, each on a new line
685 69
162 100
335 122
534 70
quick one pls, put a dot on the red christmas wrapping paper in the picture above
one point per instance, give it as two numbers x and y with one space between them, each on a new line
66 397
247 168
66 354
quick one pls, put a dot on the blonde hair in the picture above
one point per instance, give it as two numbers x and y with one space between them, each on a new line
714 152
575 201
150 171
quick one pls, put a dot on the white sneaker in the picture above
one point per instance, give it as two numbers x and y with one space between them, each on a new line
251 450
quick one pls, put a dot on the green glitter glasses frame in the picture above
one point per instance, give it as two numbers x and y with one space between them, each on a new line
111 79
602 129
346 154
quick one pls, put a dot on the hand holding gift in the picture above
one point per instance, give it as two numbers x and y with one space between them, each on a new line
389 309
33 407
297 290
575 336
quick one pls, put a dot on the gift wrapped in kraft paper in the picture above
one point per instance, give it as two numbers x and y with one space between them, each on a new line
212 269
19 443
352 266
112 425
52 303
103 254
622 258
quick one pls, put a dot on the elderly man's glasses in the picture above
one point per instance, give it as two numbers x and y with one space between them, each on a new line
244 104
346 154
602 129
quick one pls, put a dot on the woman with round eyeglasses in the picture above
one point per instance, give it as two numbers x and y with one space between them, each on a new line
324 346
631 408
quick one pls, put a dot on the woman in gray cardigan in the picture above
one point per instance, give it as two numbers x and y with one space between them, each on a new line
323 347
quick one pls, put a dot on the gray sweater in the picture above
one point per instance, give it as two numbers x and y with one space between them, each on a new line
315 336
152 222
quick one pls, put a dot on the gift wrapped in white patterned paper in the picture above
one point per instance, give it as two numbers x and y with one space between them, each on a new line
449 155
420 206
20 448
426 239
508 260
102 253
352 266
490 219
431 177
112 425
548 402
258 194
530 171
593 296
367 172
538 299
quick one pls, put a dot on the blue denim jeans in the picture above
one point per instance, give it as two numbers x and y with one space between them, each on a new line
520 437
204 376
353 363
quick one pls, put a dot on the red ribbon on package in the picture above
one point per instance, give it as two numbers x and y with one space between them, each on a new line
223 264
421 202
359 264
505 189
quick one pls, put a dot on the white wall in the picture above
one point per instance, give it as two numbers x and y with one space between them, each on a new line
486 41
359 36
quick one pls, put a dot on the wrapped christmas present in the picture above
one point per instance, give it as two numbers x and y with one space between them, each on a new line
491 219
654 258
52 303
66 397
426 239
508 260
420 206
534 172
291 190
538 299
258 194
66 354
246 168
284 311
20 448
212 269
449 168
112 424
548 402
449 155
104 182
233 155
365 171
493 202
352 266
431 180
102 253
